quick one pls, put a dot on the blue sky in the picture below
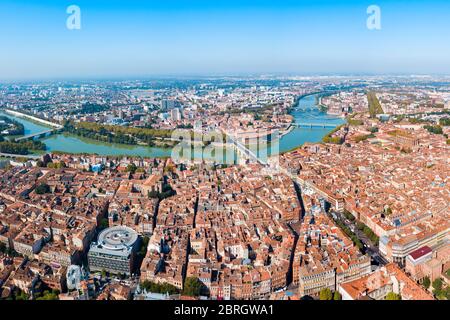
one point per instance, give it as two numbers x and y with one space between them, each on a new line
131 38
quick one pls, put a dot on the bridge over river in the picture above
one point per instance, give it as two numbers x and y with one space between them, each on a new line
36 135
313 125
26 156
244 151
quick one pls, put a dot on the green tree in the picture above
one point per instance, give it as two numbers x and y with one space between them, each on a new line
40 164
150 286
43 188
393 296
426 282
437 287
325 294
374 104
144 244
104 223
447 293
434 129
47 295
21 295
192 287
337 296
131 168
444 122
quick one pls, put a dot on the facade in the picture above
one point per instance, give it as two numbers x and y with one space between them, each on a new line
377 285
396 248
427 262
167 104
114 250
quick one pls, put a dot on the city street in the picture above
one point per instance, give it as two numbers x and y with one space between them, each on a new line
370 248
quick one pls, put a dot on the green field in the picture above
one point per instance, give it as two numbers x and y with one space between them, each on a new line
374 104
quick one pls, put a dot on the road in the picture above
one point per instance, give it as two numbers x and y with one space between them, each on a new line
29 156
371 249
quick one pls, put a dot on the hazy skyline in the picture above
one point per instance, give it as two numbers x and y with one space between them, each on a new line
138 39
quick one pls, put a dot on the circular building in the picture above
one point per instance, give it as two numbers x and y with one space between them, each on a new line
117 238
114 250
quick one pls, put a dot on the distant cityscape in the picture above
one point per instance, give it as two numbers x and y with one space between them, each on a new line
226 188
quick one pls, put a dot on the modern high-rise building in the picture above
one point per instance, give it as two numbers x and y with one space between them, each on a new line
167 104
175 114
114 250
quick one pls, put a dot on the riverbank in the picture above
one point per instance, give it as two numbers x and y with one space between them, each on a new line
33 118
305 110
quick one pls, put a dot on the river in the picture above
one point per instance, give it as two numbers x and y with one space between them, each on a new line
305 111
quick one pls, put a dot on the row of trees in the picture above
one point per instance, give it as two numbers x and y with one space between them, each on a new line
374 105
350 234
117 134
335 140
162 288
100 135
364 137
445 122
438 287
47 295
327 294
22 147
192 287
354 122
434 129
368 232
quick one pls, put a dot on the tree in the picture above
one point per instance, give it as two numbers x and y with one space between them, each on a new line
437 286
163 288
22 295
2 247
192 287
388 211
374 104
104 223
43 188
434 129
393 296
40 164
337 296
447 293
426 282
47 295
325 294
56 165
131 168
144 244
